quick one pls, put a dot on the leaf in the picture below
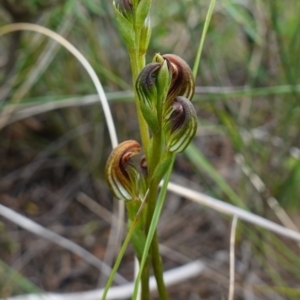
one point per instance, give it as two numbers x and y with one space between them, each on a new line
150 116
138 240
142 13
162 168
126 29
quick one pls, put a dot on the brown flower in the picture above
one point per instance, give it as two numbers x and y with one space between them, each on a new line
121 175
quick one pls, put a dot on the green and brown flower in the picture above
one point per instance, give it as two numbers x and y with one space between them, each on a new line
120 172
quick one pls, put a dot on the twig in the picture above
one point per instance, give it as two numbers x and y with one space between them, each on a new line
96 208
229 209
232 257
26 110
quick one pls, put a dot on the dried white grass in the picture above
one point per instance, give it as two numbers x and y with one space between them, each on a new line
43 62
232 210
171 277
23 111
232 257
96 208
49 235
65 43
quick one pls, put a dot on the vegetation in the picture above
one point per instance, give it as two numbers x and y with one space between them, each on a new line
246 151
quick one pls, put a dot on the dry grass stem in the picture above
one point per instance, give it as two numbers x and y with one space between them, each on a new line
232 257
229 209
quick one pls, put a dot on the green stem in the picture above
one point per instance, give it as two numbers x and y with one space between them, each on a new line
145 282
158 268
153 158
154 249
155 154
153 226
136 66
151 202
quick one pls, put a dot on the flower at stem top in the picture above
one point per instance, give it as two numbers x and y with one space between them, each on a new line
125 7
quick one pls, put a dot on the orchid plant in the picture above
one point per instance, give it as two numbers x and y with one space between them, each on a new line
167 122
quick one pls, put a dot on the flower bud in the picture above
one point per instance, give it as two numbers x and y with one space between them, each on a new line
121 175
181 124
124 12
164 81
182 83
142 13
144 165
144 175
125 7
152 86
145 36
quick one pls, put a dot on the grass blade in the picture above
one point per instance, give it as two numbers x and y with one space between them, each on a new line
206 24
